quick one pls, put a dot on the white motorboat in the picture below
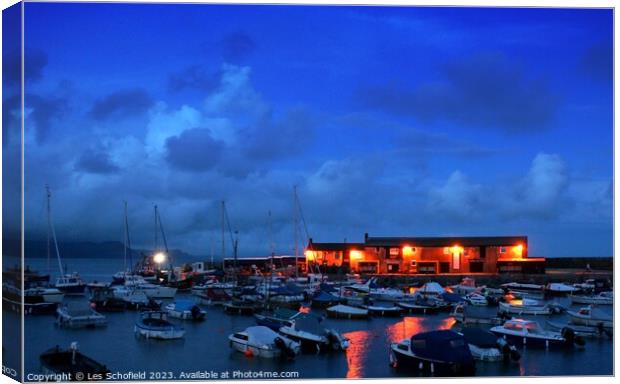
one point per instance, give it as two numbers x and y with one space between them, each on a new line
313 337
530 333
560 289
263 342
591 317
603 298
152 291
79 316
155 325
388 294
49 295
525 307
487 346
185 310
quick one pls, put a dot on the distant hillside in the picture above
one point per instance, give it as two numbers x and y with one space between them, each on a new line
80 249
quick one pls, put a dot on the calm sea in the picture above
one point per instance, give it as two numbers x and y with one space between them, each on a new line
205 346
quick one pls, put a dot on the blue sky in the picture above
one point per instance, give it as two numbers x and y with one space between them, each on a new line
390 120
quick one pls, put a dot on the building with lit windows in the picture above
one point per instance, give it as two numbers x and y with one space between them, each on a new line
427 255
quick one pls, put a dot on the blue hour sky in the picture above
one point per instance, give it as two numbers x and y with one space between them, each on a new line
390 120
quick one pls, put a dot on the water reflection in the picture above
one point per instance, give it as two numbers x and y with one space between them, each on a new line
359 345
411 325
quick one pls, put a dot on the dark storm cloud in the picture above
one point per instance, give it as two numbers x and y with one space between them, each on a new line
97 162
44 112
193 77
485 90
193 150
598 62
34 62
123 103
237 46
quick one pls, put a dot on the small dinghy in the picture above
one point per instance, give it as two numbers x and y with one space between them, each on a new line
603 298
185 310
313 337
263 342
525 307
435 353
79 316
155 325
530 333
591 317
71 361
487 346
342 311
277 318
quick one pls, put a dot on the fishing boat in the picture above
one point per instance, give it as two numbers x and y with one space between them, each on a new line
71 361
155 325
436 353
525 307
591 317
487 346
560 289
530 333
76 316
277 318
342 311
476 299
583 330
313 337
263 342
603 298
185 310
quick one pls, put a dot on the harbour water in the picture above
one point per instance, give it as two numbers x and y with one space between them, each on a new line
206 346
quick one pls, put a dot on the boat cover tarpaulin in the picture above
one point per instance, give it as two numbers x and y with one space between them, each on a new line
260 335
479 337
443 345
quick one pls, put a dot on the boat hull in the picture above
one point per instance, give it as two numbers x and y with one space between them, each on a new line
411 363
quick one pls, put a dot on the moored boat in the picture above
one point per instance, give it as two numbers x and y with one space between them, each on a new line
185 310
464 314
342 311
76 316
583 330
313 337
487 346
476 299
155 325
603 298
277 318
591 317
530 333
263 342
384 309
525 307
71 361
436 353
418 307
560 289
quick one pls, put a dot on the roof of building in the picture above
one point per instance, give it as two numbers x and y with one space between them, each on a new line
334 246
447 241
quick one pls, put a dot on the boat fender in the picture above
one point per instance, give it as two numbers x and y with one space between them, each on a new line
248 352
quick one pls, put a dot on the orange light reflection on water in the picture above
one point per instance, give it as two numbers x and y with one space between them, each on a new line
359 344
411 325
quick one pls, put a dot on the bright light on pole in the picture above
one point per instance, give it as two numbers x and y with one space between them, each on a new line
159 257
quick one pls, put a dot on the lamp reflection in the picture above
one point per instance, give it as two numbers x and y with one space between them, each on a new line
412 325
359 345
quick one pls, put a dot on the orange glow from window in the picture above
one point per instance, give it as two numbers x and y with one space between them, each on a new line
408 251
356 255
456 249
310 255
518 250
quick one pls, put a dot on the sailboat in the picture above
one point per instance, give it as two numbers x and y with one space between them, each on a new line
68 283
119 277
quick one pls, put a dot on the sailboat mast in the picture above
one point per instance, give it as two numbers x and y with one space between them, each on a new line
156 241
223 237
272 246
127 242
296 229
51 226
